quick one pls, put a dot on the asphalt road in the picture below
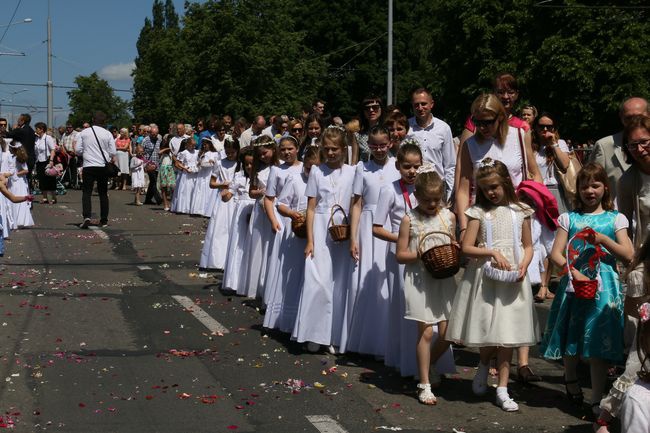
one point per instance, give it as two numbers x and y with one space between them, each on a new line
101 333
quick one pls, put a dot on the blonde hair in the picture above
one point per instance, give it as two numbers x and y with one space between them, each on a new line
430 182
490 103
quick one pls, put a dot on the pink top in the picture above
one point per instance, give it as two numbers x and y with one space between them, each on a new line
514 121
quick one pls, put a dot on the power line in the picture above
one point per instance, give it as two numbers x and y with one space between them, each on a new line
544 4
10 21
59 87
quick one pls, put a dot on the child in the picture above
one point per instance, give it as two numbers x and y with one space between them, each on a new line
22 212
213 254
590 329
282 306
137 173
280 226
166 178
12 198
635 413
632 409
367 306
494 315
327 263
237 259
187 165
428 300
259 231
204 198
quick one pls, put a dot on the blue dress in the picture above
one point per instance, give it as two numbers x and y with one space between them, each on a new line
588 328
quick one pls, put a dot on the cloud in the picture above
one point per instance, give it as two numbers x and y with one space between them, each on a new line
117 71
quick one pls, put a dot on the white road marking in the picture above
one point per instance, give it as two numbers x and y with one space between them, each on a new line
101 233
62 206
325 424
70 210
203 317
144 267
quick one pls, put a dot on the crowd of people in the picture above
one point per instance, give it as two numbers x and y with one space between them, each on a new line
351 234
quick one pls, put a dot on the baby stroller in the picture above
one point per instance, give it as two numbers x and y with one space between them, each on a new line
61 163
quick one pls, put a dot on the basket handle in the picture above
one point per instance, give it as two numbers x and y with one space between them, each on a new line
568 265
423 238
335 208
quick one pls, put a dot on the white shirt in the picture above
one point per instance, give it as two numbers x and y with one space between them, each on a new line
635 410
247 137
43 147
88 148
437 144
547 170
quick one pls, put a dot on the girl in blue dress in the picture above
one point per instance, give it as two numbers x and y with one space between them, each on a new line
589 328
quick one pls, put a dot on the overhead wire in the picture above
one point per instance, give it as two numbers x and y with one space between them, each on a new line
10 21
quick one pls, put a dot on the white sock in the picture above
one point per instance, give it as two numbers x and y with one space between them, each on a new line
502 392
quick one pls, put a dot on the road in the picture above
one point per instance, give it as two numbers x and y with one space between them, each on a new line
112 330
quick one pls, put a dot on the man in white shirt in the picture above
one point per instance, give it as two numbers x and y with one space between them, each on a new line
175 142
96 146
434 136
249 135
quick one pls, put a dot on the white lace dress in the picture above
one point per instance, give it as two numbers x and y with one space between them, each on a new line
486 312
428 300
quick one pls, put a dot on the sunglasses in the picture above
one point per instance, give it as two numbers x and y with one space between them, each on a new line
550 128
296 129
483 122
373 107
644 143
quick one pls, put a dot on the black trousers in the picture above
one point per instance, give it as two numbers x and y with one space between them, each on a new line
90 176
152 191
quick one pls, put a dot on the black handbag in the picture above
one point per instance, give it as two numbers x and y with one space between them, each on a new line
110 169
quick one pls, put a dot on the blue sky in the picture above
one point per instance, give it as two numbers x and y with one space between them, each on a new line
87 36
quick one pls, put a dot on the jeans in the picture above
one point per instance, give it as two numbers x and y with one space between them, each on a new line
90 175
152 191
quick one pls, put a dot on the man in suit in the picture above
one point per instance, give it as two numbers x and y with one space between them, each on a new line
608 151
27 137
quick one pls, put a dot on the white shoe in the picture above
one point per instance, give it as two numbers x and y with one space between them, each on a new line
333 350
203 275
425 396
507 404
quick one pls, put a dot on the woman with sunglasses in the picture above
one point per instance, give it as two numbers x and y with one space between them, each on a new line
371 116
496 139
550 151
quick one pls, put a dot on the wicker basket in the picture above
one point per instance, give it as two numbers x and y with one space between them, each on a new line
585 289
441 261
339 232
299 227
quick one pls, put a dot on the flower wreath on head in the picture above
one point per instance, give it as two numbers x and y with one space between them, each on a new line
410 140
425 168
340 128
484 163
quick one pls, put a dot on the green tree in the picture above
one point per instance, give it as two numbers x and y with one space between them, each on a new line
92 94
158 72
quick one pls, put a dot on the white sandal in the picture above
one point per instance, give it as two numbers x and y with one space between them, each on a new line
425 396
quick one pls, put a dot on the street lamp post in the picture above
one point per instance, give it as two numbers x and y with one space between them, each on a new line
50 85
23 21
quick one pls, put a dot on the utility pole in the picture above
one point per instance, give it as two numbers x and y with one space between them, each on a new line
50 84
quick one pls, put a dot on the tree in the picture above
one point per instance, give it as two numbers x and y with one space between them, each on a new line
94 94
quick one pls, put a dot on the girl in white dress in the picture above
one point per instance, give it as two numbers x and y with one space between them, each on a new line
237 253
187 166
395 200
368 300
428 300
489 313
213 254
286 283
327 263
204 197
280 225
22 212
259 231
137 173
7 166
